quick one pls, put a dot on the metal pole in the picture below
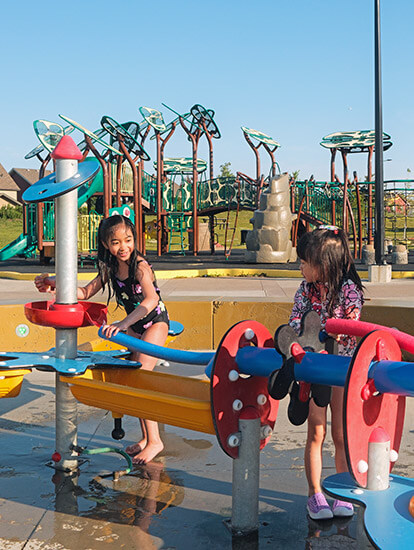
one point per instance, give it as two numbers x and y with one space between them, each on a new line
379 176
245 504
378 460
66 217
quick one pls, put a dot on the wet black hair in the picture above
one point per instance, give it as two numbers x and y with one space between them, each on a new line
107 263
327 249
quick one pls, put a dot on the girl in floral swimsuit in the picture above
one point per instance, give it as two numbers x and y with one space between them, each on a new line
129 295
131 279
333 289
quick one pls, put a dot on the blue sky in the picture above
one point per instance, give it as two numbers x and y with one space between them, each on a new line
295 70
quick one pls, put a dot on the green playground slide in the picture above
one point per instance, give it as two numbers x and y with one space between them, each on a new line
20 245
86 190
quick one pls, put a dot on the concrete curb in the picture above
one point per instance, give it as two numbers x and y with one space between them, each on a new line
210 272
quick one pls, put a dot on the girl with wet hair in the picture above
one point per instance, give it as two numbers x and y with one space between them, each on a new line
131 280
332 288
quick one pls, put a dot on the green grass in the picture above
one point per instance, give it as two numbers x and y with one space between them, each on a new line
9 230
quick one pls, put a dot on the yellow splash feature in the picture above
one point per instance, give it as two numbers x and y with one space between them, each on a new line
167 398
11 382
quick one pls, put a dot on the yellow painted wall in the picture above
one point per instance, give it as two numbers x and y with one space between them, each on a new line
226 314
205 322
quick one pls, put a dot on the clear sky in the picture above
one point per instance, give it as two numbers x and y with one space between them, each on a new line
293 69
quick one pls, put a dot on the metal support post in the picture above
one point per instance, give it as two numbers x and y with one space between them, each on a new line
66 209
378 475
245 505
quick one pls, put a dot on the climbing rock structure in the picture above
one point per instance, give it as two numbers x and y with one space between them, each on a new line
269 241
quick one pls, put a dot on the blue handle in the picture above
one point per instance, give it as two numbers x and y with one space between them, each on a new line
177 355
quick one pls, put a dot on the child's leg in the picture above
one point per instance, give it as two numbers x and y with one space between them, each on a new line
340 508
337 429
138 447
151 444
313 449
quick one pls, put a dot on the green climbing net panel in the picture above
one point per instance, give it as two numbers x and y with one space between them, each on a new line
354 142
93 136
260 137
154 118
49 134
178 197
132 145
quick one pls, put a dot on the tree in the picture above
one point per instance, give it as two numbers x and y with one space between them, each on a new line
294 175
225 171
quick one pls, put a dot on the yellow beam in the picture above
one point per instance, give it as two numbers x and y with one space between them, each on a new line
175 400
11 382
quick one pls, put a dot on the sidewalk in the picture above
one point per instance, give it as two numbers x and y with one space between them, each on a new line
398 291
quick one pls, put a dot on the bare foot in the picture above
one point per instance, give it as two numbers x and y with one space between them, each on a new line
149 453
136 448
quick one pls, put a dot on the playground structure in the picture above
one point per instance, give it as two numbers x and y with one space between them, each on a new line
244 374
318 202
122 179
183 191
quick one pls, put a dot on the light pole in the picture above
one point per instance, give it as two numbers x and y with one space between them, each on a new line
379 174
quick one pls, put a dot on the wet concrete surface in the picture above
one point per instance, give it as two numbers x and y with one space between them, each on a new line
179 501
183 498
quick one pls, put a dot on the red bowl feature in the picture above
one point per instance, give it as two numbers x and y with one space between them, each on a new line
51 314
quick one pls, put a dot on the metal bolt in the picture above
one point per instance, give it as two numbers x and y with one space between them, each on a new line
249 334
233 440
261 399
237 405
393 455
233 375
266 431
362 466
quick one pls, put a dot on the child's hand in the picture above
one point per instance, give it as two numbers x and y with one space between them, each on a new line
45 283
111 330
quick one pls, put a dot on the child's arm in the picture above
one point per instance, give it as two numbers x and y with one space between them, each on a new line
353 301
45 283
300 307
145 277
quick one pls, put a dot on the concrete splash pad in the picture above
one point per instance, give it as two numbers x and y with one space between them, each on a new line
180 500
